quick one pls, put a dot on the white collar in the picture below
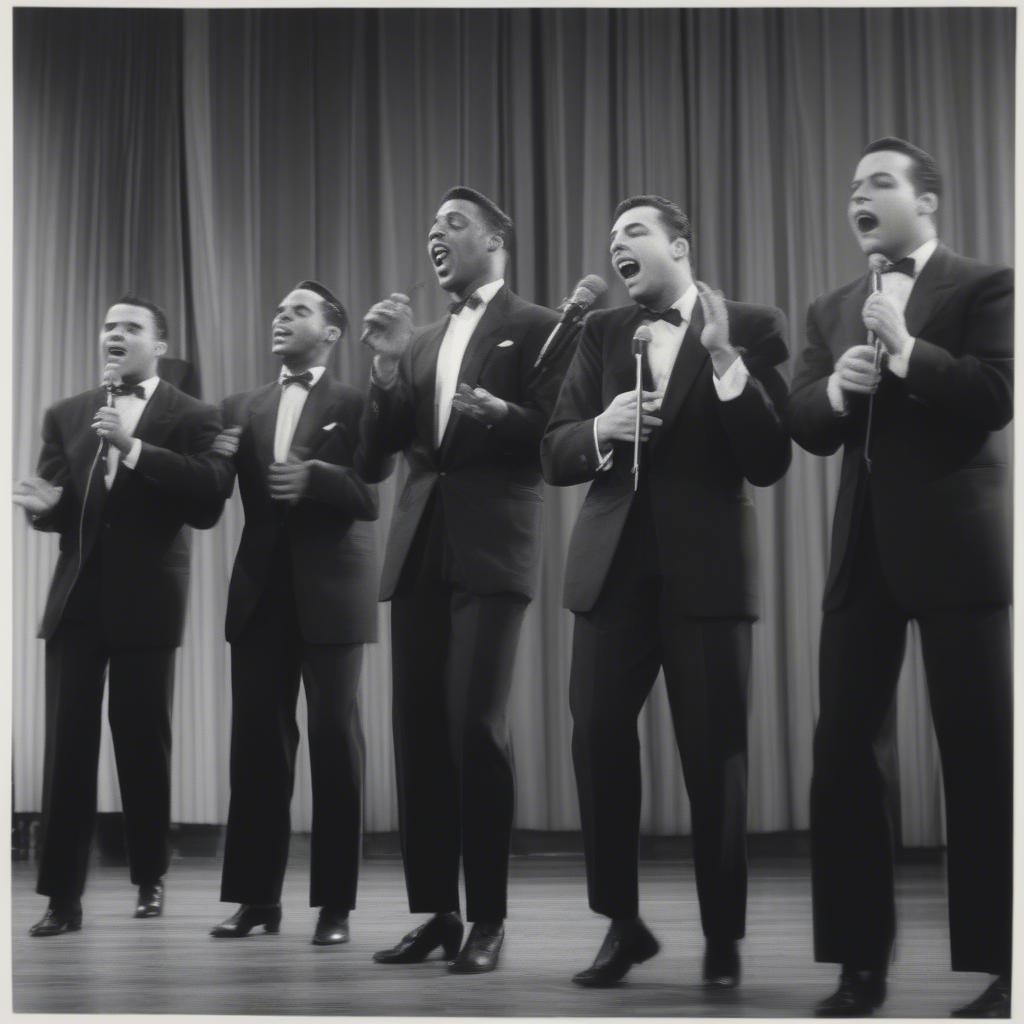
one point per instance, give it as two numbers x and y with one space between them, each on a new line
686 302
316 371
923 254
149 386
486 292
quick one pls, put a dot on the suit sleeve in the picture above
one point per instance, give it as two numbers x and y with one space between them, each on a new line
975 386
53 467
387 425
520 431
567 452
340 486
814 424
197 479
755 420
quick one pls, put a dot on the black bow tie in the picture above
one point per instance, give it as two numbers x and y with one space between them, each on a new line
305 379
473 301
128 389
903 266
670 315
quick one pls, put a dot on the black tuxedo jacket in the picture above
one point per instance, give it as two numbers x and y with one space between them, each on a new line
139 528
694 464
939 488
488 478
329 531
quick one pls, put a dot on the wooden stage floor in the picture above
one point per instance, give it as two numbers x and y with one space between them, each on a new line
170 965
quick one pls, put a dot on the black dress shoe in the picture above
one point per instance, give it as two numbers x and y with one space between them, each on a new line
860 993
626 943
481 951
443 930
993 1002
721 964
59 918
151 900
247 917
331 927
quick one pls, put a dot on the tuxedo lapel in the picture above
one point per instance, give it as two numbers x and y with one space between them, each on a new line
931 289
424 374
314 413
691 360
263 421
851 316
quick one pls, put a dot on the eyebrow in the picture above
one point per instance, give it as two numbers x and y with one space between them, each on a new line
127 323
873 177
626 227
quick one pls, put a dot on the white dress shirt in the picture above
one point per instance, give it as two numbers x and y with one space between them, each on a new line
293 400
662 351
460 329
896 287
129 408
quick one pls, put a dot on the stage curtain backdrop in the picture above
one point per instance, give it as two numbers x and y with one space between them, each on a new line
211 159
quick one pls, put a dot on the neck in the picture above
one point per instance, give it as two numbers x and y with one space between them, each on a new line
300 364
911 246
139 376
486 278
671 293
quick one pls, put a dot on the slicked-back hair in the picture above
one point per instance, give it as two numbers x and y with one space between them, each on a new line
673 220
159 316
497 220
924 172
333 310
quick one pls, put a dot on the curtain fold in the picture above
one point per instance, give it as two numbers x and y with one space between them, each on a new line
212 159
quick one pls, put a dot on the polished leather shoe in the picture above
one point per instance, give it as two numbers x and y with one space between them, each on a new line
860 993
444 930
151 900
721 964
59 918
482 949
626 943
331 927
247 917
993 1002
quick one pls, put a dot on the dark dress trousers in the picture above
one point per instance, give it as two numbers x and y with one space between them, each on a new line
118 599
924 535
461 567
302 602
667 577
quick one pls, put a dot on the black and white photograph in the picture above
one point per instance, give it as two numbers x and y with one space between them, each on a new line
511 510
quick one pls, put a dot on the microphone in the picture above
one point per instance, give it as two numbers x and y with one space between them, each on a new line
876 264
585 294
111 380
641 339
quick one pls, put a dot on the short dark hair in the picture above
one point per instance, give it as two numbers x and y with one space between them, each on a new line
924 173
333 310
674 221
497 220
159 316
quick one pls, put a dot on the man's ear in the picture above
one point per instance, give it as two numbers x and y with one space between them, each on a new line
928 203
493 243
332 334
161 348
680 247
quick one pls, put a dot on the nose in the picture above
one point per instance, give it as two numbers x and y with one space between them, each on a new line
436 234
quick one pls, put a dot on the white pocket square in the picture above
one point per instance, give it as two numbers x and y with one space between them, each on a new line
330 426
506 344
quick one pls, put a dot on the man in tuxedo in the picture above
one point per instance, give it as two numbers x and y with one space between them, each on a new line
302 600
662 569
124 470
921 531
460 568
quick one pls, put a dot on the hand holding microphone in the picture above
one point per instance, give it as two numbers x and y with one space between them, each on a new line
388 330
107 421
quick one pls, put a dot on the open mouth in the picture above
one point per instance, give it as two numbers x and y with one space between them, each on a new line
865 222
439 255
116 351
281 332
627 267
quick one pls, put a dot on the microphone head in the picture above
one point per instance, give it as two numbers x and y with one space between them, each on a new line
588 291
641 339
111 376
877 262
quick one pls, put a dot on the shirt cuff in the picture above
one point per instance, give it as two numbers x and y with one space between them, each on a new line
900 364
378 381
133 454
836 398
732 382
603 461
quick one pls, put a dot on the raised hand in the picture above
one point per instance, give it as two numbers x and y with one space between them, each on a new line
107 424
388 328
881 316
715 335
479 403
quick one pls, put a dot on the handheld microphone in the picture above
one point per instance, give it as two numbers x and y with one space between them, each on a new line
111 380
876 264
585 294
641 339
